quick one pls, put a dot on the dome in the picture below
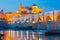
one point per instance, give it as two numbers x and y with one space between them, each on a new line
34 5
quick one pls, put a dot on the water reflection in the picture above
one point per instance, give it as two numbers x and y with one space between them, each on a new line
26 35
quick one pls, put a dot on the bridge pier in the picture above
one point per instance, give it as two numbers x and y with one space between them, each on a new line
35 26
44 25
52 25
55 25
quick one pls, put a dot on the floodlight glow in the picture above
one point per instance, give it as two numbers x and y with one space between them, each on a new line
17 11
33 22
27 21
18 22
40 39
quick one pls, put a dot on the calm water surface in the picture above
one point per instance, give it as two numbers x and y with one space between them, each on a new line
27 35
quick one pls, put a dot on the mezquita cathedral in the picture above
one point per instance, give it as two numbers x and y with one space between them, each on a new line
30 14
23 11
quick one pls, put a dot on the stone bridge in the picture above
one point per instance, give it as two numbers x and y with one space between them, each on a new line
47 19
42 17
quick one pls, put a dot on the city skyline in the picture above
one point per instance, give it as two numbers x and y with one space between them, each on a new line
14 5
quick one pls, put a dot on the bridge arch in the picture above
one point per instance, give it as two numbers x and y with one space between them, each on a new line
39 19
48 18
58 18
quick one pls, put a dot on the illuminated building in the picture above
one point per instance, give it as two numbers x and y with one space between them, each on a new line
12 16
36 10
24 10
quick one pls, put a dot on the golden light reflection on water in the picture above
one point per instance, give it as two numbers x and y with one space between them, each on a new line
21 35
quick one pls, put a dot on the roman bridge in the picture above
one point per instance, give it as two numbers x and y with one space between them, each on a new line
41 17
45 19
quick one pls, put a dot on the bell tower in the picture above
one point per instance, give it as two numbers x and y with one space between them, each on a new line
21 6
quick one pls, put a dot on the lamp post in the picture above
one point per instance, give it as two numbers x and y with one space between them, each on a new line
53 15
55 22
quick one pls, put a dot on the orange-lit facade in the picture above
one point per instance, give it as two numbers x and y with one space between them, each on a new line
36 10
24 11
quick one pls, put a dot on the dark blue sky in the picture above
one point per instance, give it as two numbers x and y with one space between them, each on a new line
13 5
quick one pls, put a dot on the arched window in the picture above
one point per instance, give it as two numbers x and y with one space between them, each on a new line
48 18
39 19
58 18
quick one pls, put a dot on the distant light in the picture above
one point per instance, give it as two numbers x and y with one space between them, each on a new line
40 39
17 11
33 35
27 34
17 22
21 34
27 21
40 32
33 22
